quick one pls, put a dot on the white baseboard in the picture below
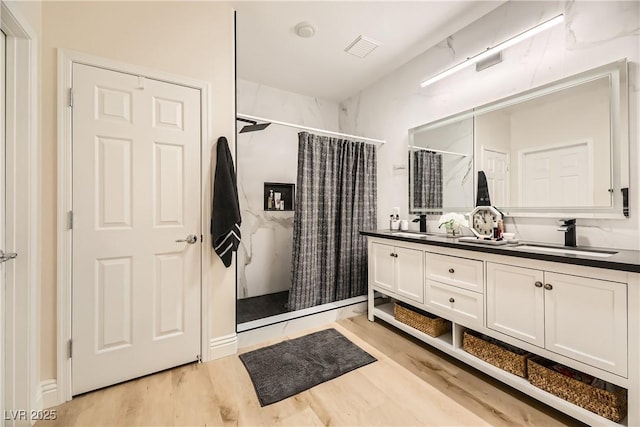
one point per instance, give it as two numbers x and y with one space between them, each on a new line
226 345
47 395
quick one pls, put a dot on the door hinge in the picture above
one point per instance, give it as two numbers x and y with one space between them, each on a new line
70 348
70 97
70 220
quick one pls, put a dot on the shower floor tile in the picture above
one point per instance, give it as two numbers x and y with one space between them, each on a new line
248 309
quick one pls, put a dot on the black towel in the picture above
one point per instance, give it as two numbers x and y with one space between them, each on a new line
482 197
225 216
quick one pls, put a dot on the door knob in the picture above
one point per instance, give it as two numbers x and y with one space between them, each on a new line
190 239
452 300
548 286
4 257
538 284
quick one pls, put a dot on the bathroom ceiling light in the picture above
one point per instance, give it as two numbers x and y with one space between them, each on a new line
495 49
305 30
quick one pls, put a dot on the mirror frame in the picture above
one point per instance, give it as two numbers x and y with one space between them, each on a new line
617 72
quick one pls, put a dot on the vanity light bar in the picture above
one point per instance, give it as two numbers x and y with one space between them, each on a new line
495 49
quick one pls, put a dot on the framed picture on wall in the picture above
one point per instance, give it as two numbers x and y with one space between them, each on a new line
279 196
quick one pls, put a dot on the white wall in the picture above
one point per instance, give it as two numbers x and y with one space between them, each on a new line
593 34
191 39
270 155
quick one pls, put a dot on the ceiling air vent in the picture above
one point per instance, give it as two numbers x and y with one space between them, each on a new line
362 46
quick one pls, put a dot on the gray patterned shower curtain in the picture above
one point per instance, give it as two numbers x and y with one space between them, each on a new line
427 172
335 199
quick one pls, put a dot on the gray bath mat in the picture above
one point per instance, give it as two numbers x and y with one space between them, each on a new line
287 368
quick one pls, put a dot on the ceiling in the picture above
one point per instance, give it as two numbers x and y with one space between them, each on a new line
270 52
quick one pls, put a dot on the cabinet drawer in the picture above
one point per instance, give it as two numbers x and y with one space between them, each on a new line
461 272
460 305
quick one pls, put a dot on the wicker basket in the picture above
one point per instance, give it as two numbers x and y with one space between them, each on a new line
421 320
504 356
608 404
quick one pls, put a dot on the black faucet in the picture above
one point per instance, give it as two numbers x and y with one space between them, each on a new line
569 228
422 219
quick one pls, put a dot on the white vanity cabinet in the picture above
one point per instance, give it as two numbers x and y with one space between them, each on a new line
586 317
582 318
397 269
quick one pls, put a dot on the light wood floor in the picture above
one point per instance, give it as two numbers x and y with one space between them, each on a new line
410 385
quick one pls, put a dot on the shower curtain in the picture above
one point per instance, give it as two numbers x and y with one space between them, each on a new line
427 174
336 198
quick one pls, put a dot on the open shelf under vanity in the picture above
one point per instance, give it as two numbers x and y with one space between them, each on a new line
451 343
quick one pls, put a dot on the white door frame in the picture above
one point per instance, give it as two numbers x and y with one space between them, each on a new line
23 175
66 59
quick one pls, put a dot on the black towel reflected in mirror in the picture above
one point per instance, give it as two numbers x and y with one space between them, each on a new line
482 198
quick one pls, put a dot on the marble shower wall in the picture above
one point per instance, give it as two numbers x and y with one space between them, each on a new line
593 34
270 155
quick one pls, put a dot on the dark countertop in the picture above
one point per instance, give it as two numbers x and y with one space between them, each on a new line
622 260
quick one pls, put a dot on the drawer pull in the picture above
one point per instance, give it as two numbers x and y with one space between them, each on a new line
391 254
548 286
452 300
451 270
538 284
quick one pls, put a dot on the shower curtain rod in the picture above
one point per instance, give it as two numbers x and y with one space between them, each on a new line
438 151
328 132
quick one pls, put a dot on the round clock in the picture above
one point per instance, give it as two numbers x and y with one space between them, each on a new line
482 219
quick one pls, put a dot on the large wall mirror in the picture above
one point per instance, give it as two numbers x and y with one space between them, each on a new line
561 149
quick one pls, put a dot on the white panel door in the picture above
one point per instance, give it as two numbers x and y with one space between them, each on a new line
382 257
557 176
495 165
136 192
515 302
586 320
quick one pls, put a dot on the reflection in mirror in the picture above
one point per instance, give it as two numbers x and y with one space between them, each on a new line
441 166
554 150
541 153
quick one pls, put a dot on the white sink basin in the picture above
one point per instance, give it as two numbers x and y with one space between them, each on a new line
565 251
407 234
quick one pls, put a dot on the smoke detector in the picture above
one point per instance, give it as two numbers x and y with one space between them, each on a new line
305 30
362 46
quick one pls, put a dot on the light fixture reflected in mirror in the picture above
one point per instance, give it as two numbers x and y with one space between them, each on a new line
495 49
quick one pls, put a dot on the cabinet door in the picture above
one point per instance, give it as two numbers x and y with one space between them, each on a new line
409 271
515 302
381 262
586 320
